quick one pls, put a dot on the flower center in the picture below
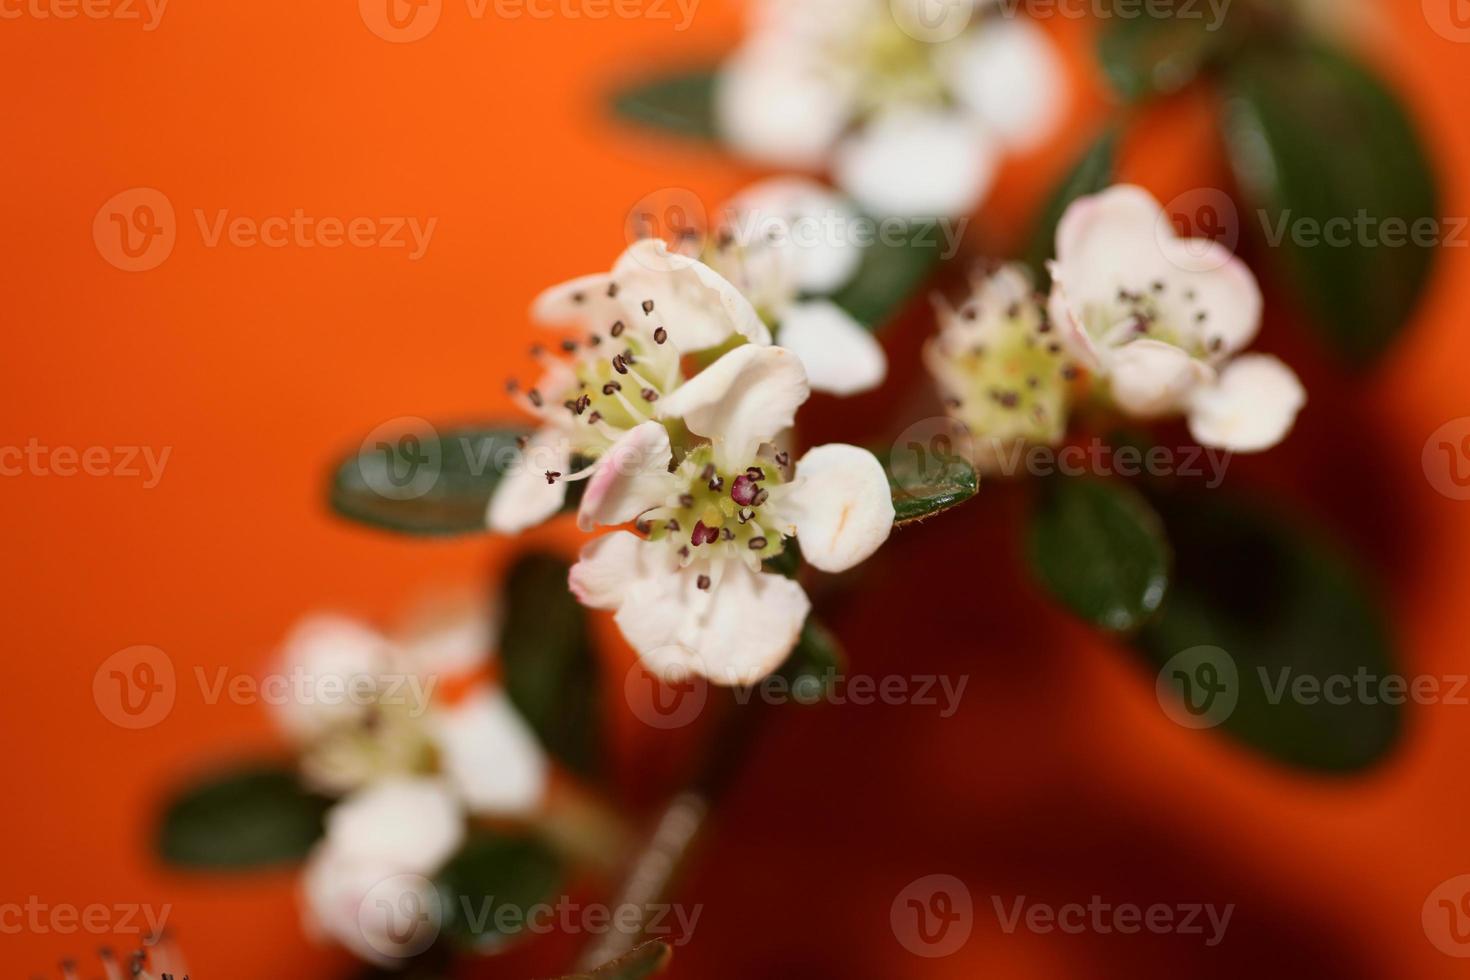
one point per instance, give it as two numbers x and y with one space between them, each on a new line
720 514
1161 311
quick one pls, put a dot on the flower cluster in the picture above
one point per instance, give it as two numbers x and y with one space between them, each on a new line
1157 324
911 120
423 743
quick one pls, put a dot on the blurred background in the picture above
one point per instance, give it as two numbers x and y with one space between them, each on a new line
242 372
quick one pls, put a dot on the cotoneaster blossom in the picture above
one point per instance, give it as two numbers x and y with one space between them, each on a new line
1001 367
688 588
787 244
365 707
910 121
1161 321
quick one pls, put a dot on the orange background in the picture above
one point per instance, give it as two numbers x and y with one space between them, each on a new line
1058 779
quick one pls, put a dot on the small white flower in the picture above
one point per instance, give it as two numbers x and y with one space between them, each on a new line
1158 318
637 322
786 243
691 593
323 650
1001 367
912 123
398 831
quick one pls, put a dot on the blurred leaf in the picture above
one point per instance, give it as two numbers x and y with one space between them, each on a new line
1090 175
1100 550
1164 47
244 819
683 103
550 670
642 961
489 886
1315 139
891 273
924 484
813 666
1278 599
426 484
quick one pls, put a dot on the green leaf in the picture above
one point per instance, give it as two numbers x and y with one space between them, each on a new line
683 103
1100 550
787 563
550 669
1090 175
1278 604
813 666
642 961
488 889
895 265
925 483
1316 141
245 819
423 482
1164 47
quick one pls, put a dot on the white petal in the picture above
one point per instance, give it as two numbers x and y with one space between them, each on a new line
839 506
745 398
609 566
840 357
631 477
1251 408
1151 378
407 823
1009 73
774 105
329 652
491 756
917 164
698 307
524 498
578 302
818 237
736 632
451 639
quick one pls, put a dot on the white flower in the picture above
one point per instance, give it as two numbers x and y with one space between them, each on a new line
333 652
1001 367
379 842
637 322
691 594
786 243
912 121
491 756
1159 319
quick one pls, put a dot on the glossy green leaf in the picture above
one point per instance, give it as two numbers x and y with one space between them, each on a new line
489 887
1163 47
642 961
1336 180
814 665
925 483
424 482
550 670
1100 550
1090 175
894 267
254 817
1281 608
682 103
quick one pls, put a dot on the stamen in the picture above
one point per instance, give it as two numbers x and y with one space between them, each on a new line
758 544
617 329
551 477
647 306
660 335
702 583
